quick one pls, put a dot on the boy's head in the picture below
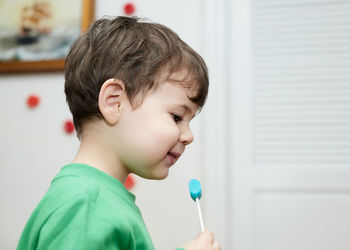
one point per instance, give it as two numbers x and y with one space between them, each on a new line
134 52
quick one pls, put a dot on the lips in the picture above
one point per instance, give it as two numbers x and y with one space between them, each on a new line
173 156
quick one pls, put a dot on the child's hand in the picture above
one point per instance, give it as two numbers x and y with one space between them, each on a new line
204 241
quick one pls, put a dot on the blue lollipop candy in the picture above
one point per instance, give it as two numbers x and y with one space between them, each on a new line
195 189
196 193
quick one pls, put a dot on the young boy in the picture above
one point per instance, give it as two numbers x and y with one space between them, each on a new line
132 87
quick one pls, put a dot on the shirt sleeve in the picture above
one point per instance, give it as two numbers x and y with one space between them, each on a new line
80 224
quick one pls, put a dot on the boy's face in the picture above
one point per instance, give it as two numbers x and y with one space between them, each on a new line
153 136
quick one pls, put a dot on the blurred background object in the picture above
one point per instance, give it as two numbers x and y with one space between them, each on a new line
35 35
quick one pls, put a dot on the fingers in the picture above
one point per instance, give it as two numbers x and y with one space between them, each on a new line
207 237
216 245
204 241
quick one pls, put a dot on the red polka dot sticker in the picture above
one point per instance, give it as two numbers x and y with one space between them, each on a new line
68 126
129 9
33 101
130 182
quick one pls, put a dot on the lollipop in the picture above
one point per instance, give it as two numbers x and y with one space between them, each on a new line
196 193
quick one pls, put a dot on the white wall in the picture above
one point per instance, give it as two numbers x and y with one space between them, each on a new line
34 147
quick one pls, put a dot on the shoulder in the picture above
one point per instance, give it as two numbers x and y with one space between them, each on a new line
82 222
79 211
85 198
68 189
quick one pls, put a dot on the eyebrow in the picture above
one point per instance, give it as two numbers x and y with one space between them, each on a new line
189 110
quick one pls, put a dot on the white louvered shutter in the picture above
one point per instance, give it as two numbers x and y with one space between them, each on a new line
301 82
290 124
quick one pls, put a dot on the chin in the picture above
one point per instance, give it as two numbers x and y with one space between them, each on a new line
162 177
159 175
153 176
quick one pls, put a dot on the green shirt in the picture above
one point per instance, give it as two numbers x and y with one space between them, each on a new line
85 208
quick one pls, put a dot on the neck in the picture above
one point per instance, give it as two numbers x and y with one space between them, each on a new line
92 152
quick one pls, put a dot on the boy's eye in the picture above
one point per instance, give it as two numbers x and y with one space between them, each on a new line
176 118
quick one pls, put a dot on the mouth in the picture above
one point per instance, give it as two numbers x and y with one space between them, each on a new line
173 157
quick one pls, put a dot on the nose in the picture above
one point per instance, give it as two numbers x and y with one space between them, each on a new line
186 136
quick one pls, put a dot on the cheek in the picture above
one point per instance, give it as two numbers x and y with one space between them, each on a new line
150 133
151 142
164 132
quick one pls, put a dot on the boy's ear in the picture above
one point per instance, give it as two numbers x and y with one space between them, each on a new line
110 100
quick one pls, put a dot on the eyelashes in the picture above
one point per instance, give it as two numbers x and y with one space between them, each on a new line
177 118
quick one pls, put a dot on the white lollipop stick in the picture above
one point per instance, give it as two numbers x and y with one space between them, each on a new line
200 214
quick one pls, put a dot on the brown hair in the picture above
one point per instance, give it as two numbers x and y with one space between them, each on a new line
131 51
